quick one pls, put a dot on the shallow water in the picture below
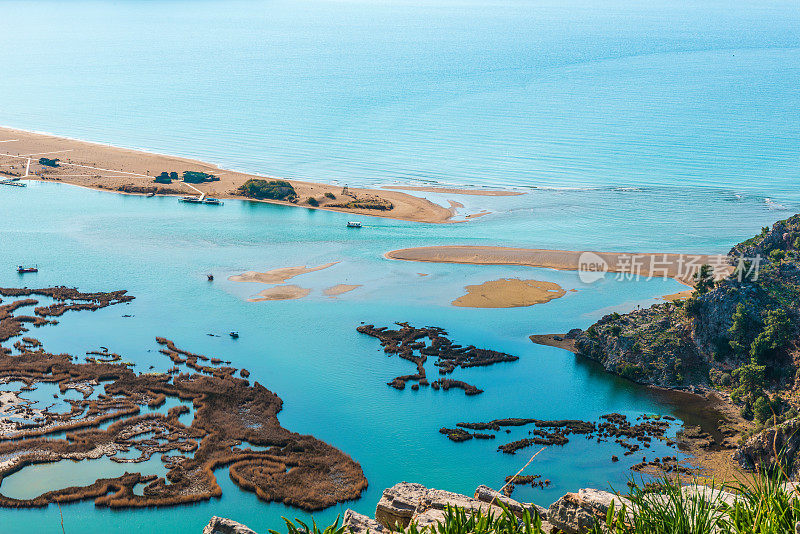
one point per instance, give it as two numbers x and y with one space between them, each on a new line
331 378
630 126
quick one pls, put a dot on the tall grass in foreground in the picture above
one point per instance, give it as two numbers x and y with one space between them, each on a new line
763 505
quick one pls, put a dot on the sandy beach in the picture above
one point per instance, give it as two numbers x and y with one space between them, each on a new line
681 267
509 293
110 168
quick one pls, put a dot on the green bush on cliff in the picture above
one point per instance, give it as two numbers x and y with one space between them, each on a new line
267 189
704 279
775 335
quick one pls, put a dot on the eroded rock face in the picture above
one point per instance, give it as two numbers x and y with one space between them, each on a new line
221 525
760 449
398 504
406 502
360 524
577 513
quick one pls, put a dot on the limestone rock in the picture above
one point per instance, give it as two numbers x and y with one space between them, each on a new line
488 495
576 513
760 449
360 524
398 504
221 525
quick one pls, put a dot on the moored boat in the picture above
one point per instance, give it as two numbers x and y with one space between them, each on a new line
21 269
213 201
354 224
191 199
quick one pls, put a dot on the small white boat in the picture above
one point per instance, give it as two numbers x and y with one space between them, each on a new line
193 200
354 224
214 201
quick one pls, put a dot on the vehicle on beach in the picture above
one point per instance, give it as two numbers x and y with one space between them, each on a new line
354 224
21 269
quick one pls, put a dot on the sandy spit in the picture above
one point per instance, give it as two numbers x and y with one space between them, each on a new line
649 264
454 191
106 167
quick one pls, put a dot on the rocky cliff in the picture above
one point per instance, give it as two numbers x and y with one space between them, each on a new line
691 343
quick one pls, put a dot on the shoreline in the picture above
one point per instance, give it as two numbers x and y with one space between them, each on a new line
106 167
702 408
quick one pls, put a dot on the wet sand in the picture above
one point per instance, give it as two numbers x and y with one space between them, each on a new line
277 276
106 167
509 293
454 191
289 292
681 267
339 289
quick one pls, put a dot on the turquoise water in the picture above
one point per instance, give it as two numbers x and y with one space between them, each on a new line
332 379
631 126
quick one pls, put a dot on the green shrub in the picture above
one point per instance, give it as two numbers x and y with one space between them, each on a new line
777 255
330 195
47 162
615 330
263 189
762 410
312 201
163 178
197 177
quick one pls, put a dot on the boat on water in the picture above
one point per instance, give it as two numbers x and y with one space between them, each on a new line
234 335
13 181
21 269
210 277
354 224
191 199
213 201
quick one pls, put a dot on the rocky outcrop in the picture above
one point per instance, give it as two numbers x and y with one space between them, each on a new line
688 344
221 525
576 513
765 448
407 503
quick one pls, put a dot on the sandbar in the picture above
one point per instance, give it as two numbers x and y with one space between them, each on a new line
509 293
289 292
338 289
680 267
456 191
279 275
110 168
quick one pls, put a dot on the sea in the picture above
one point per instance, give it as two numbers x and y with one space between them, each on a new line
667 126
